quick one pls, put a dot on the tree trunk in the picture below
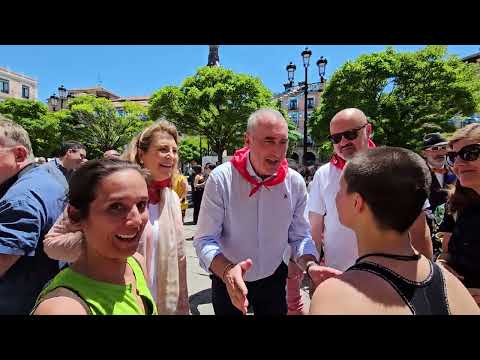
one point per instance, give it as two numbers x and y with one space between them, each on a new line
219 151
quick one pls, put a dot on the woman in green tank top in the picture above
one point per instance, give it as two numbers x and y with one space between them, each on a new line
108 202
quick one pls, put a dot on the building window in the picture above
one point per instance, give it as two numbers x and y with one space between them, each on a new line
25 92
294 117
4 88
120 112
292 105
310 103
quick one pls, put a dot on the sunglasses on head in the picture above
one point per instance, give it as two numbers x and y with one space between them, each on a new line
467 153
437 148
349 134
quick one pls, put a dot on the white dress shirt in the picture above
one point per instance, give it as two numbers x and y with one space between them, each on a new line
339 242
260 227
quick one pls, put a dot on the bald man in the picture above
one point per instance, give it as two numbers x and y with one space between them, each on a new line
349 133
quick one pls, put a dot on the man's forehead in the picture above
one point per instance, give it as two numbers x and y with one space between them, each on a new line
347 120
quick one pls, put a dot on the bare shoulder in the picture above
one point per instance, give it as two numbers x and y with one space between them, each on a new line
141 260
459 299
336 296
62 301
357 293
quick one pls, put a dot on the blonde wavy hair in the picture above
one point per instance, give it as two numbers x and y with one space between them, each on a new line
469 132
144 139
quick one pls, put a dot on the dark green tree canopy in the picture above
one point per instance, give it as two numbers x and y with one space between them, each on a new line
214 103
41 126
89 120
405 95
96 123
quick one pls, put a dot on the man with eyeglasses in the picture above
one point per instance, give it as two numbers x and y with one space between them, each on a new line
349 133
434 151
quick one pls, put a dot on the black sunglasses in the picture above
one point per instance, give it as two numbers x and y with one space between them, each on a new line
467 153
349 134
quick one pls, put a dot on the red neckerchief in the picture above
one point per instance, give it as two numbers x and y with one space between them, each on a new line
339 163
239 162
154 189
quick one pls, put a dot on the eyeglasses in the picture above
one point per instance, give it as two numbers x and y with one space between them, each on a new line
436 148
467 153
349 134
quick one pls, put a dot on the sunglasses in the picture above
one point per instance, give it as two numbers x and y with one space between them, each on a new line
349 134
467 153
437 148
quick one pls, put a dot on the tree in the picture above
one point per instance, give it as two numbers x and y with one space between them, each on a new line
41 126
214 103
95 123
405 95
189 149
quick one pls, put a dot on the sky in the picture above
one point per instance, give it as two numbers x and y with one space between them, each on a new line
140 70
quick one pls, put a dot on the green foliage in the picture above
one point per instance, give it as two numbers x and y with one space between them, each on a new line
95 123
405 95
42 127
89 120
189 148
214 103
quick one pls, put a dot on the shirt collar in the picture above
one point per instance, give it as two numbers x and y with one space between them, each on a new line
252 172
64 170
7 184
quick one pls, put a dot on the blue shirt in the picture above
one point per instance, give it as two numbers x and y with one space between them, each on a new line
62 175
30 203
265 227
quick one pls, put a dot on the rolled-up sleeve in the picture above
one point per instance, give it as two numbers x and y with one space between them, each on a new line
299 233
21 222
210 223
64 241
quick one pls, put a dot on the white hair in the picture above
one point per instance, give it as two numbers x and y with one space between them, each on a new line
259 114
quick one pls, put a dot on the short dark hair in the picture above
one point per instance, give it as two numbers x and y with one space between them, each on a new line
67 145
394 182
210 166
84 182
197 169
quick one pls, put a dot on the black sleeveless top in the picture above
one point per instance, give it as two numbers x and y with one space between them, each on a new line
428 297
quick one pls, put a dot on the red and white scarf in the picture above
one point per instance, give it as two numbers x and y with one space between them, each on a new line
239 162
154 189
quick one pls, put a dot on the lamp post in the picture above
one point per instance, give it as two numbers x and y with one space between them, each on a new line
62 97
321 63
54 102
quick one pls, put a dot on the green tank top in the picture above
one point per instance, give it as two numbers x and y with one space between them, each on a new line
104 298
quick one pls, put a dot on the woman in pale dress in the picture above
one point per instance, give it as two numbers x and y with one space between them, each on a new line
162 243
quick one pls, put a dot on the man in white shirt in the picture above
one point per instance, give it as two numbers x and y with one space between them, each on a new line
252 211
349 132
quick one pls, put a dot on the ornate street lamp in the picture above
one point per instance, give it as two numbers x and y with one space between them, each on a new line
321 63
54 102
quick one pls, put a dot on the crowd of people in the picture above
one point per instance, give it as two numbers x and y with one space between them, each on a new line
378 229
